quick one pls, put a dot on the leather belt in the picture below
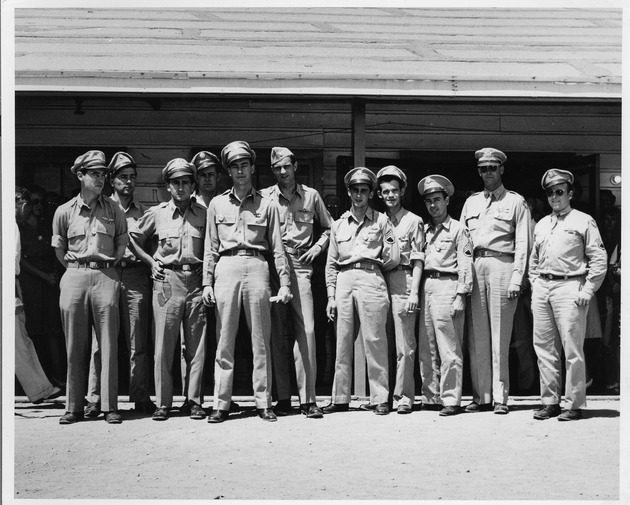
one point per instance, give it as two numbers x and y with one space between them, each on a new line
434 274
362 265
241 252
489 253
403 267
552 277
130 264
185 268
94 265
294 251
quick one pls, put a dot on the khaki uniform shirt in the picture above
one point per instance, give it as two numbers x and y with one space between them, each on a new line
89 233
409 230
253 223
500 221
134 212
449 250
299 215
569 244
372 239
179 235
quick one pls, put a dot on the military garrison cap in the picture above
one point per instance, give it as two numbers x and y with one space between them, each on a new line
278 154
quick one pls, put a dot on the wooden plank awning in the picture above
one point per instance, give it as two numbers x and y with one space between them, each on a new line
347 51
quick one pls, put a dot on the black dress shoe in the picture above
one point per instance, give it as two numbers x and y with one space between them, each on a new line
283 408
547 412
404 409
218 416
450 410
235 407
382 409
185 408
436 407
160 414
196 412
113 417
570 415
501 408
267 415
71 418
311 411
335 407
93 410
476 407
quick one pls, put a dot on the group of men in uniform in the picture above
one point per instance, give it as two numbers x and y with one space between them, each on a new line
233 251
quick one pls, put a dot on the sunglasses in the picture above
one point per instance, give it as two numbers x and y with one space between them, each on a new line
491 168
556 192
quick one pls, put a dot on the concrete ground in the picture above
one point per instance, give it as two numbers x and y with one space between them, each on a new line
353 455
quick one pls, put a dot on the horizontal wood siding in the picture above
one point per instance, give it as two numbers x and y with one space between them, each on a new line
157 129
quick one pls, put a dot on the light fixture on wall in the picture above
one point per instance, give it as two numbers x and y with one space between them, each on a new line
615 180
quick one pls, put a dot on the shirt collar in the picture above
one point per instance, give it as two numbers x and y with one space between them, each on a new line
498 193
81 202
368 215
193 207
252 193
399 215
299 189
446 224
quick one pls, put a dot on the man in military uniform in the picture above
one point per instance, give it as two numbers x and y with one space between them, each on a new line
176 266
362 247
448 279
242 227
135 291
403 283
567 266
89 237
498 221
208 166
301 208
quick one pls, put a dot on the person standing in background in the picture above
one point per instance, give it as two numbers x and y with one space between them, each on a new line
301 209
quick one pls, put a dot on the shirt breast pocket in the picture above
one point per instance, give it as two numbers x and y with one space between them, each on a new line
503 223
304 220
169 241
107 229
76 235
256 229
226 227
444 244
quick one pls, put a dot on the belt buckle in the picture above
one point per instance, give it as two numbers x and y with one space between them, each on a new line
186 268
123 263
92 264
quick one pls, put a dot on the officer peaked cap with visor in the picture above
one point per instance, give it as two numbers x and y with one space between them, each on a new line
178 167
92 160
205 159
392 171
489 156
434 183
556 176
235 151
119 161
360 175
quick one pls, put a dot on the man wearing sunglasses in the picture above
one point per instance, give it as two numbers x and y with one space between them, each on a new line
90 237
567 266
499 225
